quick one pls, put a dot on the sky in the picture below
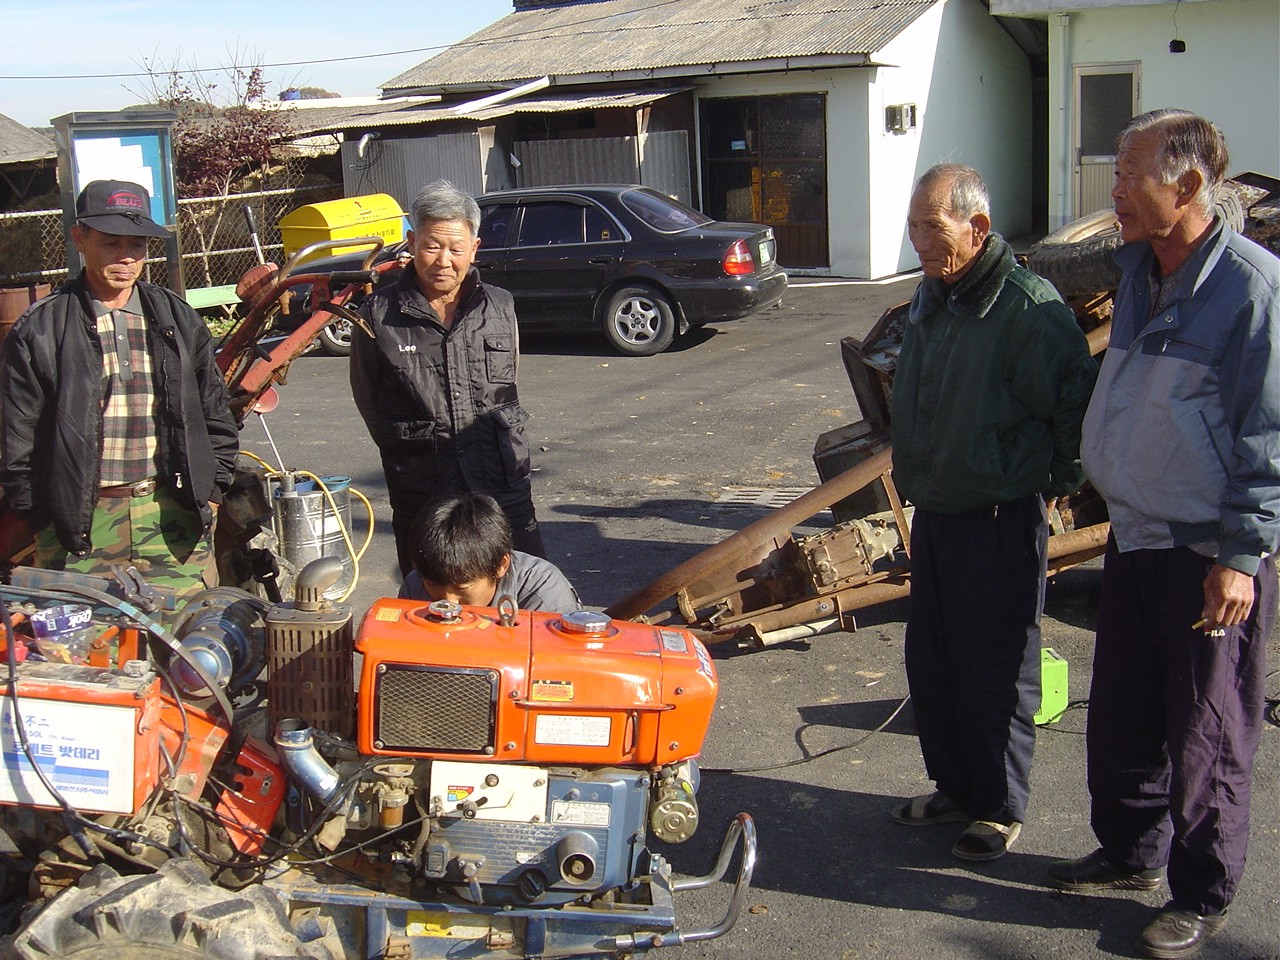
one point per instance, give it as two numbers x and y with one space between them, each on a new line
64 38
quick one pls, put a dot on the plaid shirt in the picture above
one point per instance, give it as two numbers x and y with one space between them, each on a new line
129 401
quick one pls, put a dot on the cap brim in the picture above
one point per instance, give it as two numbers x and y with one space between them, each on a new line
119 225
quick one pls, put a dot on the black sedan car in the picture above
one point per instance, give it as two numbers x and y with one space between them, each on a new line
623 259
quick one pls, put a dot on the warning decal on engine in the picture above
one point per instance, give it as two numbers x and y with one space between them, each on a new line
572 731
579 813
554 691
388 614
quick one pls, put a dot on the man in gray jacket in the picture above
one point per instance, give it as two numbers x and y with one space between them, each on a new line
462 552
1182 438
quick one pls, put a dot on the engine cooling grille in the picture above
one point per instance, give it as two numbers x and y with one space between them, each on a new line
423 709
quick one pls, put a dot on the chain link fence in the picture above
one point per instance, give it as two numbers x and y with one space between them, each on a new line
216 245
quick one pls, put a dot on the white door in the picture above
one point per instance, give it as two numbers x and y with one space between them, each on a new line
1106 96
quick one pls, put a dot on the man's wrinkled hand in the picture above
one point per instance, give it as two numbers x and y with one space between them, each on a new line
1228 597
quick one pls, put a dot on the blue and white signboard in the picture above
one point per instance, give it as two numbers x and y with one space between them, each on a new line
133 145
138 156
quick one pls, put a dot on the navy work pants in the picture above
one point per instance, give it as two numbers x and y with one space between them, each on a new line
973 651
1175 716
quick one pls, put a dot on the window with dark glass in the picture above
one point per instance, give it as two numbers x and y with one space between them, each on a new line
545 224
766 162
495 222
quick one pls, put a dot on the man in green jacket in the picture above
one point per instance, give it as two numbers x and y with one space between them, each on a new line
989 393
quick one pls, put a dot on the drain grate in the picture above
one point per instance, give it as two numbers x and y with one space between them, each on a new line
772 497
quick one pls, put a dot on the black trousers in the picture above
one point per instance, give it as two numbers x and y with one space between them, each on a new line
1175 718
973 651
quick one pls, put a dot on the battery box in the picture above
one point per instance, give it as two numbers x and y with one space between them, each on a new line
94 732
1053 687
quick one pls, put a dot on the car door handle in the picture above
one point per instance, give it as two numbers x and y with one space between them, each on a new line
601 260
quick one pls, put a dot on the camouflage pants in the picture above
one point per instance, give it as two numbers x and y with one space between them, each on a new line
162 538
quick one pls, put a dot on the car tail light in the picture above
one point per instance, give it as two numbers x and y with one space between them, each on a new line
738 260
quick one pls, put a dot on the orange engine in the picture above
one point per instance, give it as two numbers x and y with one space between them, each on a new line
545 688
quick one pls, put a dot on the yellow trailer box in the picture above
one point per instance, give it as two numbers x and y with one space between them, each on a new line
375 215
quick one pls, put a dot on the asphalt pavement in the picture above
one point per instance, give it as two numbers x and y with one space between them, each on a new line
635 461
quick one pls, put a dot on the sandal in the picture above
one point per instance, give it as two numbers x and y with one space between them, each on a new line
985 840
926 810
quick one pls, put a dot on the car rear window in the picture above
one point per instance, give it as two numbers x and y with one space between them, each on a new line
662 213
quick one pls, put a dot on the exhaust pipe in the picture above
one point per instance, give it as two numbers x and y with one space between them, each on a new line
302 760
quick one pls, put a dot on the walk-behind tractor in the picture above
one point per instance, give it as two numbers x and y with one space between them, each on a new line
486 790
207 779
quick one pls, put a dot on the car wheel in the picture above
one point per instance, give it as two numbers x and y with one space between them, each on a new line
335 338
639 321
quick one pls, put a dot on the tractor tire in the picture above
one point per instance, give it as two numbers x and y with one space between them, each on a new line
173 914
1078 258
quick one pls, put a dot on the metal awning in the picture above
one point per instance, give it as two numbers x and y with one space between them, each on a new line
399 115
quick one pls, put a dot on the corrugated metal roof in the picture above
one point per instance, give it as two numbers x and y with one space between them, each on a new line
324 120
19 144
636 35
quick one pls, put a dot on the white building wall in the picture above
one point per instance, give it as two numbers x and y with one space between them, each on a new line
971 85
848 230
1229 73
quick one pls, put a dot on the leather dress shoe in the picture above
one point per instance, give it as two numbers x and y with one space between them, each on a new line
1176 932
1095 872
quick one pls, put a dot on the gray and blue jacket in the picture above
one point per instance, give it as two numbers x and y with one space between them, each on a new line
1182 435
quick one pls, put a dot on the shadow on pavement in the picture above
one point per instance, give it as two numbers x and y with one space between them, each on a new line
841 845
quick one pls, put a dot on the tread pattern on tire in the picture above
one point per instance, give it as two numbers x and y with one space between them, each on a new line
175 912
1077 258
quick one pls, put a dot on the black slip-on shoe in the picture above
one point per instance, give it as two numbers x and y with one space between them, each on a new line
1176 932
1095 872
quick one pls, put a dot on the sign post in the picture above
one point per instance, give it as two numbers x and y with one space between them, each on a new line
133 145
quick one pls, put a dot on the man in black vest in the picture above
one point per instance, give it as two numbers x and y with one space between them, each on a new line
436 384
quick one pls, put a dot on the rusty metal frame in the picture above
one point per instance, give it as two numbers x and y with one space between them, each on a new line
249 370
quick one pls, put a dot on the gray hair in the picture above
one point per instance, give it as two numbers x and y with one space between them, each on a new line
969 194
441 200
1187 142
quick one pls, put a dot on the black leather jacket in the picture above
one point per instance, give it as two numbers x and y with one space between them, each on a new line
441 404
51 389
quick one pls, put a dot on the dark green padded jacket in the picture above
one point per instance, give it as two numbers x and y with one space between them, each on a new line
990 389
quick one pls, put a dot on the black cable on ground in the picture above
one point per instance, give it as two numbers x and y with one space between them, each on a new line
1073 705
814 756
